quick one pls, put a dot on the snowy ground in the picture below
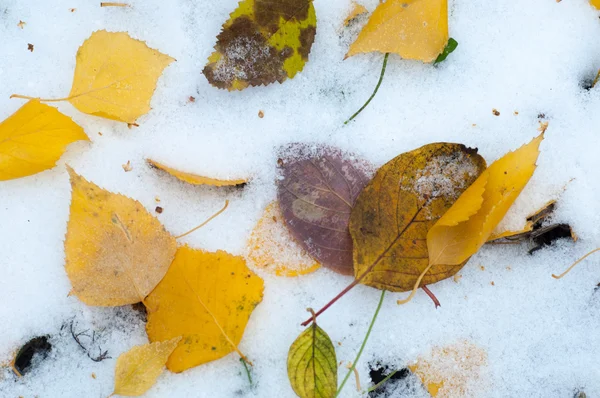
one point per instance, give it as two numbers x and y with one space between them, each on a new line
542 336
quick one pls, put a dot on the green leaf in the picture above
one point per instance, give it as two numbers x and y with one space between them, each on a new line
312 364
450 47
263 41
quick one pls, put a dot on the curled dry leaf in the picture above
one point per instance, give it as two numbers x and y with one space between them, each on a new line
447 372
413 29
207 298
115 76
116 252
393 213
468 224
193 178
312 364
263 41
138 368
272 247
33 138
316 194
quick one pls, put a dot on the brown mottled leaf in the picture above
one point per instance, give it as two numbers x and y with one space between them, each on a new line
263 41
393 213
316 193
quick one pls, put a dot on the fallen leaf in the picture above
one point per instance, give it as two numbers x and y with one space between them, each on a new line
116 252
272 248
115 76
195 179
33 138
316 194
37 346
413 29
468 224
448 372
356 11
206 298
263 41
312 364
393 213
137 369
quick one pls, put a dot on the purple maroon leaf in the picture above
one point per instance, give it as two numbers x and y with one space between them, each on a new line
316 192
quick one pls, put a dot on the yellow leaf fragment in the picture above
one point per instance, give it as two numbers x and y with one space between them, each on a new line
193 178
413 29
357 9
33 138
206 298
138 368
116 252
595 3
271 247
468 224
448 372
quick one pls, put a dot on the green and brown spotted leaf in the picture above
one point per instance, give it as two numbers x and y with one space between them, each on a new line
393 213
263 41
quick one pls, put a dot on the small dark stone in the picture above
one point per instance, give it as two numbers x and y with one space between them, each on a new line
36 346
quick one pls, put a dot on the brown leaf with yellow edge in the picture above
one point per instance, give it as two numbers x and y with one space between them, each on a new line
468 224
137 369
33 138
393 213
207 298
272 247
448 372
193 178
115 76
413 29
116 252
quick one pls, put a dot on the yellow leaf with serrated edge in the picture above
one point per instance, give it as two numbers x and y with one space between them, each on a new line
468 224
272 248
115 76
448 372
33 138
207 298
116 252
138 368
413 29
262 42
195 179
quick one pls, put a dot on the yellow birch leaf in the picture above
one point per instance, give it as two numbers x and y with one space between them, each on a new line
115 76
413 29
116 252
455 237
391 217
206 298
193 178
272 247
595 3
447 372
33 138
138 368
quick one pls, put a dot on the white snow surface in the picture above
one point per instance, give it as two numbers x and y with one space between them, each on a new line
542 336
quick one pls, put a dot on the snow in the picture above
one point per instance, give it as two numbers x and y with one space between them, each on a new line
541 335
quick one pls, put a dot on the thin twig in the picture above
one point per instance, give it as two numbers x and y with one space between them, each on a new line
362 347
385 59
574 264
431 296
247 371
205 222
